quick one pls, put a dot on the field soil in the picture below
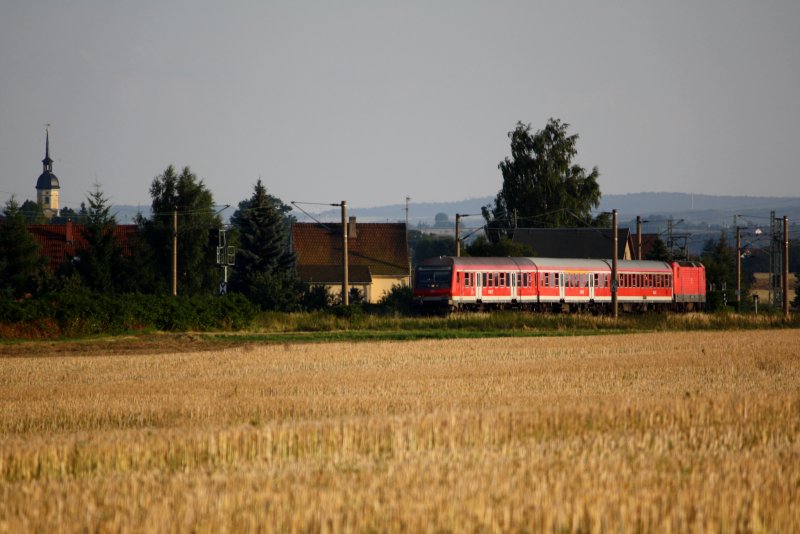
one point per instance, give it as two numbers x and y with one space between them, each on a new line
658 431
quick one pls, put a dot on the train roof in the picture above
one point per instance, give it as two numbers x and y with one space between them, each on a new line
543 263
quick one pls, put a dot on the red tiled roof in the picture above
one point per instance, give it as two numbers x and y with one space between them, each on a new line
59 243
380 246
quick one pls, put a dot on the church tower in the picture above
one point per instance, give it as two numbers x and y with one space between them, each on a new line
47 187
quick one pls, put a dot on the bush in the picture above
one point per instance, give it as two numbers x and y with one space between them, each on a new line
80 313
398 300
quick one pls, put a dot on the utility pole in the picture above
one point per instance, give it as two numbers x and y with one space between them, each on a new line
174 252
345 273
738 269
614 283
786 266
408 199
639 237
458 237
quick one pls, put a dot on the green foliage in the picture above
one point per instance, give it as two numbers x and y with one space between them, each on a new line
424 246
398 300
659 252
100 260
32 212
503 248
80 312
542 185
317 298
720 262
184 193
264 270
20 263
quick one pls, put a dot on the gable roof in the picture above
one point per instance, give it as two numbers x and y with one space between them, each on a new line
380 246
591 243
59 243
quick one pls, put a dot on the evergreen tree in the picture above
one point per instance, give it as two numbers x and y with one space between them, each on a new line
197 270
265 264
542 185
100 259
720 262
659 252
33 212
20 263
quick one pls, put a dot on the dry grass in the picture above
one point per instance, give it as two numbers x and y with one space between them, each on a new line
667 431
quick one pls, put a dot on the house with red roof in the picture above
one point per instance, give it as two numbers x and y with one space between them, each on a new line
377 256
60 243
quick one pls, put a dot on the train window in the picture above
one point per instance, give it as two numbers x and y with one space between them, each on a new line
466 279
503 281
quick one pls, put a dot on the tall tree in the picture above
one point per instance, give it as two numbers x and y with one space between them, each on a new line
720 262
100 260
542 187
20 262
265 264
184 193
659 251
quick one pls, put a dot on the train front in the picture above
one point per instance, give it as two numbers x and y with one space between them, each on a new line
433 283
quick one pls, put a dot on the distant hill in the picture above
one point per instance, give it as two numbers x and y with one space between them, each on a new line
695 210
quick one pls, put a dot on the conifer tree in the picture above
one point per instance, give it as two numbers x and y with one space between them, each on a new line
265 264
100 259
185 193
19 253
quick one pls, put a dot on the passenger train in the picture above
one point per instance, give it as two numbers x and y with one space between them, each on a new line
557 284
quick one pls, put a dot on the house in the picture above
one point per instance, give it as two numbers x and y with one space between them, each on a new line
583 243
60 243
377 256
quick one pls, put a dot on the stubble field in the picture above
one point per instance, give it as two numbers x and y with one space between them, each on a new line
665 431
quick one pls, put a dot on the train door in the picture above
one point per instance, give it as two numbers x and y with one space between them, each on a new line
513 286
561 280
590 284
479 285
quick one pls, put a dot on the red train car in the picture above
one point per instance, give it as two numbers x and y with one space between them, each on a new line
556 283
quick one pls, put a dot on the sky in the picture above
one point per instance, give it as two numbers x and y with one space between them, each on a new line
374 101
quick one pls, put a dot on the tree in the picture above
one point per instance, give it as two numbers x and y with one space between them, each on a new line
33 212
184 193
424 246
20 263
442 221
542 185
503 248
100 260
720 262
659 252
265 264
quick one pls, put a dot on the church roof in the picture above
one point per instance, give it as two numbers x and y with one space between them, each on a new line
47 180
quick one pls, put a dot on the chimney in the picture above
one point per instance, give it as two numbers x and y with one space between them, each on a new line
68 235
351 228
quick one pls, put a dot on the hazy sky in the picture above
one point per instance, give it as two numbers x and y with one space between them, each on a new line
374 101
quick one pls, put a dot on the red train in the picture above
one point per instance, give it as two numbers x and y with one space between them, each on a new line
557 284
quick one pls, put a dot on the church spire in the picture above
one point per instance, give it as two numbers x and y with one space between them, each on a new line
47 163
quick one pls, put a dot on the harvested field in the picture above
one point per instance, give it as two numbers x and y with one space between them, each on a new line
668 431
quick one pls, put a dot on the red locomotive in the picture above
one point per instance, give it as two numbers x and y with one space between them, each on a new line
557 284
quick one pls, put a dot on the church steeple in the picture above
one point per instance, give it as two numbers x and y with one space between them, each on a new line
47 163
47 185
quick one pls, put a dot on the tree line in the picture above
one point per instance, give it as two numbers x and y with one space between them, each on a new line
542 186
